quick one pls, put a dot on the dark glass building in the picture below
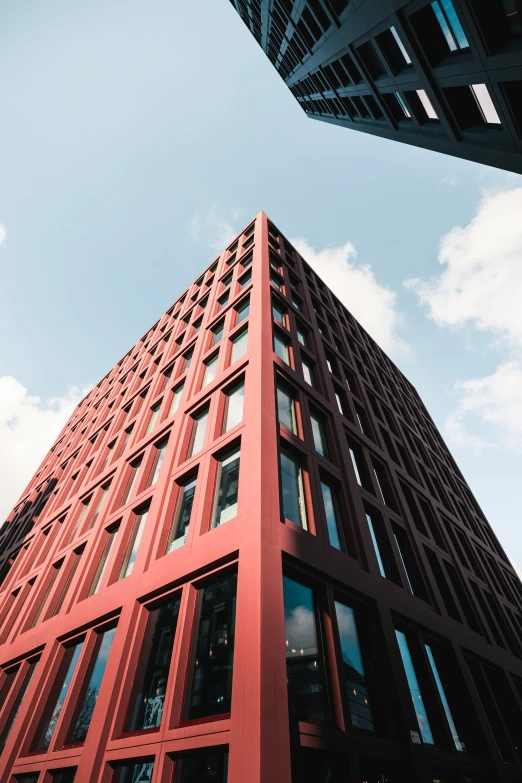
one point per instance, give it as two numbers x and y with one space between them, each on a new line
445 75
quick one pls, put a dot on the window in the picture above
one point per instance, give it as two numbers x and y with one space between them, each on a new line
242 311
227 482
161 448
404 554
430 111
308 373
400 44
418 703
278 314
356 686
222 301
286 412
198 432
239 346
131 482
245 280
305 667
217 333
403 106
17 703
296 302
65 776
276 280
333 517
234 406
281 347
179 530
450 25
154 411
210 370
57 697
211 687
319 436
90 689
440 688
140 518
176 397
301 336
227 280
112 532
210 765
485 104
149 684
187 358
377 550
292 491
133 772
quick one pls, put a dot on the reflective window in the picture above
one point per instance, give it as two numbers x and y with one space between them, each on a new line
131 551
418 703
301 337
187 360
104 559
180 525
355 467
227 483
428 107
243 311
281 348
217 333
400 45
198 432
91 687
154 411
319 436
333 517
135 772
149 686
245 280
17 703
292 490
66 776
234 407
131 482
450 25
276 280
402 104
353 668
210 765
376 546
286 410
279 314
459 745
308 373
305 668
239 346
57 697
176 397
161 448
485 104
210 370
211 688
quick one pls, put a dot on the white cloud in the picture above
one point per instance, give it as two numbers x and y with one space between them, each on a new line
216 228
28 428
3 234
371 303
481 284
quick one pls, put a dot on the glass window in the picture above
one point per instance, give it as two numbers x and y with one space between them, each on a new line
353 668
186 361
376 546
65 776
286 410
17 703
319 436
161 449
180 525
275 279
296 302
355 467
176 397
222 301
450 25
131 483
308 373
150 682
279 314
400 45
104 559
210 370
227 483
245 280
305 669
459 745
227 280
217 333
428 107
281 348
90 689
333 517
485 104
396 537
247 261
210 765
402 104
239 346
134 772
234 407
292 490
418 703
154 411
301 337
211 688
133 544
243 311
57 697
198 432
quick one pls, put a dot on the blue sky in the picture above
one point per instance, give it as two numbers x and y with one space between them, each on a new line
137 137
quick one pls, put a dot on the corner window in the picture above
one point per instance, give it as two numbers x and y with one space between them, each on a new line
226 494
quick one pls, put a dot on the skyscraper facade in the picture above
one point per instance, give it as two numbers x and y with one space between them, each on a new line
445 75
249 556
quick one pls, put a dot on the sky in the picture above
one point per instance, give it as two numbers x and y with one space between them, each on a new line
138 138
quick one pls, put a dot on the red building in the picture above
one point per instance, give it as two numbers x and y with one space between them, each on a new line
249 556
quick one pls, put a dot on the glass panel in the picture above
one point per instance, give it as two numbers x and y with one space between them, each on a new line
308 373
403 105
307 693
319 437
239 347
376 546
76 556
444 26
179 530
210 371
459 745
354 676
333 521
198 436
159 462
292 491
153 416
245 280
243 312
102 565
403 564
286 410
66 776
175 400
138 772
133 545
418 704
150 681
487 109
234 407
8 725
278 314
227 483
87 701
217 334
211 690
355 467
187 360
400 45
281 349
301 337
430 111
209 766
454 21
135 469
56 700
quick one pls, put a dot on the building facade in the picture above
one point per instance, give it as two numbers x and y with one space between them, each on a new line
445 75
249 556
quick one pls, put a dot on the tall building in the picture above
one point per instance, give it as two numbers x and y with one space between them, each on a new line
445 75
249 556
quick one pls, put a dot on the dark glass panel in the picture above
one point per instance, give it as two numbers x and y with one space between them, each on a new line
57 697
353 668
210 766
